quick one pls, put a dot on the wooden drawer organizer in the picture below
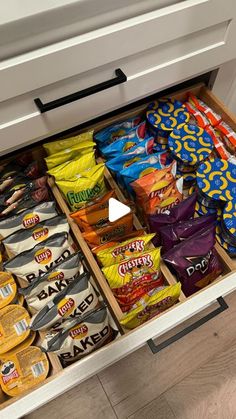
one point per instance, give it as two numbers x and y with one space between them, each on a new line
228 263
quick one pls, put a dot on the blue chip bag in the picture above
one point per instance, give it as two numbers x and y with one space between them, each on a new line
125 143
110 134
143 167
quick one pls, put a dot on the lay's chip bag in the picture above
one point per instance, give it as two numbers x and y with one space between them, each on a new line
113 231
69 154
110 134
124 250
58 145
73 167
123 144
87 187
132 278
162 203
153 303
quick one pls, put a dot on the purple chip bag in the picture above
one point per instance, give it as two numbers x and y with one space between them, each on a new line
172 234
195 261
183 211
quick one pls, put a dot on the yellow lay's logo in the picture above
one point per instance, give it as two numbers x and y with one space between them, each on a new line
40 234
30 220
66 306
56 276
43 256
78 332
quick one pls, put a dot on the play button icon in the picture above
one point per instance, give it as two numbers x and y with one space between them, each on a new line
117 209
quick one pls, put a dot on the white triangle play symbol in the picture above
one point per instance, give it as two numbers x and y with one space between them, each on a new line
116 210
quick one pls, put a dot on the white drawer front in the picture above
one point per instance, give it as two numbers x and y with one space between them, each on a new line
120 348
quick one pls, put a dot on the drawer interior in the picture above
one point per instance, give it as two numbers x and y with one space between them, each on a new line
228 264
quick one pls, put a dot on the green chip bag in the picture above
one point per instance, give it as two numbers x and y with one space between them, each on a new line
78 191
70 153
73 167
58 145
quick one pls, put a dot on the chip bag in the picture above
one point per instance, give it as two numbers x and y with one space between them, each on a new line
162 203
124 250
25 239
172 234
59 145
228 136
183 211
8 289
111 133
76 299
35 262
113 231
73 167
23 370
132 278
195 261
28 200
125 143
14 326
80 336
69 154
213 118
94 220
89 186
135 233
153 303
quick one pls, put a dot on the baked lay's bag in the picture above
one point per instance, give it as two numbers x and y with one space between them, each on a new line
26 239
162 203
132 278
124 250
76 299
45 287
35 262
59 145
153 303
22 370
80 336
28 218
111 133
125 143
112 231
14 326
154 183
89 186
8 289
69 153
73 167
145 166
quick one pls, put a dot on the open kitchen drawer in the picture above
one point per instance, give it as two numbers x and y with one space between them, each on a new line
61 380
153 50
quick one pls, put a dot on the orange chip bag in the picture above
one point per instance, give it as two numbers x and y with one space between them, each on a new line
114 230
163 202
132 278
94 220
154 183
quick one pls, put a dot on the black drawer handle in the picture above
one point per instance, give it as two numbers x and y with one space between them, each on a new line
45 107
157 348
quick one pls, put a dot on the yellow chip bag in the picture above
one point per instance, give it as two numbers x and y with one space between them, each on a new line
151 304
73 167
23 370
58 145
14 326
8 289
124 250
89 186
69 154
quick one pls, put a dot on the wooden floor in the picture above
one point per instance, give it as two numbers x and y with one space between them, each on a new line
193 378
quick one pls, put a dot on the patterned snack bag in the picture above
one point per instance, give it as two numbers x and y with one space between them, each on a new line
69 154
111 133
124 250
73 167
151 304
195 261
113 231
134 277
89 186
58 145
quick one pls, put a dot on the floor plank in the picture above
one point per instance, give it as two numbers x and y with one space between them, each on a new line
88 400
138 379
158 409
209 392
